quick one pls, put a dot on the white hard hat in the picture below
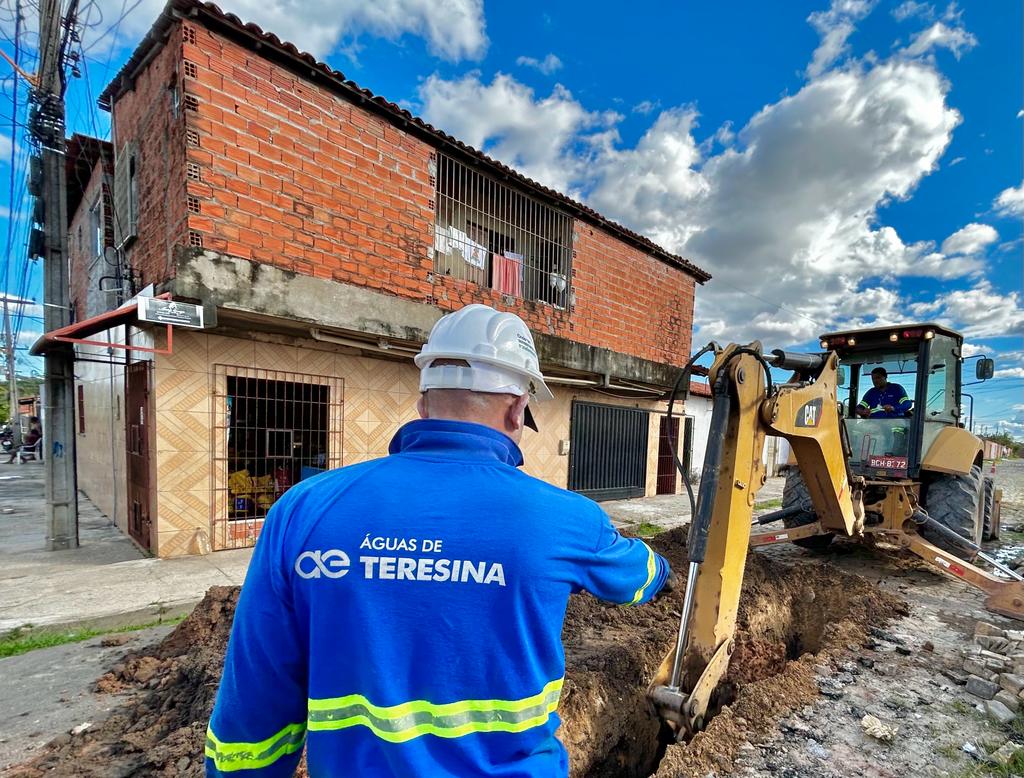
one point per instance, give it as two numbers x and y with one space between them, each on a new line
498 348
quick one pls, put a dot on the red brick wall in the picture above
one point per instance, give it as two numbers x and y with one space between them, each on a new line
85 268
285 172
293 176
147 116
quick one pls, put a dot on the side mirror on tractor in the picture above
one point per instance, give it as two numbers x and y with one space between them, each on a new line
985 369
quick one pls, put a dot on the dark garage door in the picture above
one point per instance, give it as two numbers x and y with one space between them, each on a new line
608 451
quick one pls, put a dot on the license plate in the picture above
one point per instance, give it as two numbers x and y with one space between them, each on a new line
887 463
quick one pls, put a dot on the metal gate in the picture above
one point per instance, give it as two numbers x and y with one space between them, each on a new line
138 418
608 451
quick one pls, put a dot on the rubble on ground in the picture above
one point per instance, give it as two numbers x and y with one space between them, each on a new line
995 670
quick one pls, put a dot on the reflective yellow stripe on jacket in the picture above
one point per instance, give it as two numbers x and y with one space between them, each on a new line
252 756
399 723
652 568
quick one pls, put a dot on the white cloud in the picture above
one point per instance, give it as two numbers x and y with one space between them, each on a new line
974 349
1019 407
1020 113
970 240
6 143
981 312
540 136
646 107
910 8
453 30
798 192
1010 202
956 39
547 66
835 26
956 161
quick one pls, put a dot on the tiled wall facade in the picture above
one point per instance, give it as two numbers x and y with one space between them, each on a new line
379 396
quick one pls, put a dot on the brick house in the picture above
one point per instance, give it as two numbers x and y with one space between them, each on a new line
324 230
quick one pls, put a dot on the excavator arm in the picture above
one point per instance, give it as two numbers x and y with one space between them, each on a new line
746 408
743 413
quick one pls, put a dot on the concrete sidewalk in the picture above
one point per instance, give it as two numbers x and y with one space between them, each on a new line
106 582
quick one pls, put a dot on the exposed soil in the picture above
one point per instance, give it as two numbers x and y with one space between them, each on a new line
790 619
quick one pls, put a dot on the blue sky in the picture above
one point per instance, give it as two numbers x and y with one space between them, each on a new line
830 165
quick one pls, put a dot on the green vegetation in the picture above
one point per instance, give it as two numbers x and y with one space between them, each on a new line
27 387
775 502
646 529
18 642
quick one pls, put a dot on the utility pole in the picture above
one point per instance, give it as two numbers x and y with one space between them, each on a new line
12 370
47 127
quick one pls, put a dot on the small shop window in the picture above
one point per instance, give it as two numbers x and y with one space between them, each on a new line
273 430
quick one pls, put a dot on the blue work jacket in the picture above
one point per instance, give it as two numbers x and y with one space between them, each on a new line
891 394
403 616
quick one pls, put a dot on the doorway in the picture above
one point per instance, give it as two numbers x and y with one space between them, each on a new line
138 420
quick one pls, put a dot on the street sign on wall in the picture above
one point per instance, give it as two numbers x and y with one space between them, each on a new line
171 312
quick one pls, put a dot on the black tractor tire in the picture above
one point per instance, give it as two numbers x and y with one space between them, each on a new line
988 496
795 495
953 500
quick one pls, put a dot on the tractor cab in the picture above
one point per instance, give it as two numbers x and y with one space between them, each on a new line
899 388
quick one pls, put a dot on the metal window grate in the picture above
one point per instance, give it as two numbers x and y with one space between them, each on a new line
608 451
496 236
271 429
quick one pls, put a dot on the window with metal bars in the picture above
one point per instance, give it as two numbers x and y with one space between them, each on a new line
496 236
272 429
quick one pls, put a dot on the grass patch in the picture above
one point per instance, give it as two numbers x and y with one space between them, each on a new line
647 529
775 502
17 642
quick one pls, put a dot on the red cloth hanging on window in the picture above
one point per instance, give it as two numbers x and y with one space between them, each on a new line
507 274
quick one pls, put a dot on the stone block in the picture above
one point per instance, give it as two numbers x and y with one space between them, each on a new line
1009 699
974 667
1012 683
979 687
985 628
1006 752
996 711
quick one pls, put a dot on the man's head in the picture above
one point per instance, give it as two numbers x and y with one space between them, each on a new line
480 365
879 378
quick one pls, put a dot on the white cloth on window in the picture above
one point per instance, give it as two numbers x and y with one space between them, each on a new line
472 252
440 239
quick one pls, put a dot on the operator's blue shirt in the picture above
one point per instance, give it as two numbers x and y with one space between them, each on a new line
890 394
403 617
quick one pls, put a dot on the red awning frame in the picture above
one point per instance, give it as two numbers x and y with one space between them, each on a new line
78 332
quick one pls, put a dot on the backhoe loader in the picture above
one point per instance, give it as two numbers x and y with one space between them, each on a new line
883 500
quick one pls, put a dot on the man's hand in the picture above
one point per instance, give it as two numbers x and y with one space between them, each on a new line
668 587
888 408
863 412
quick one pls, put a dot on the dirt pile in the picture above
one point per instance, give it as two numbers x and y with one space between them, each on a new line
162 731
611 655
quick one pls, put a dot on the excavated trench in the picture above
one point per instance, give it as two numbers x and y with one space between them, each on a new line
790 619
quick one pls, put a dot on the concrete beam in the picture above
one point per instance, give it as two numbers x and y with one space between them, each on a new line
252 288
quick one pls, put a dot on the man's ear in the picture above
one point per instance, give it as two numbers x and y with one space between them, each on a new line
421 405
514 414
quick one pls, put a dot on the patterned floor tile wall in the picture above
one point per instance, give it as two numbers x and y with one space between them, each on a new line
379 396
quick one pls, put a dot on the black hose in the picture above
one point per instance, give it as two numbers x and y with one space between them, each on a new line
684 377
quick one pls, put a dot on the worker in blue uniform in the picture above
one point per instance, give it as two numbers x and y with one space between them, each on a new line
403 616
884 400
